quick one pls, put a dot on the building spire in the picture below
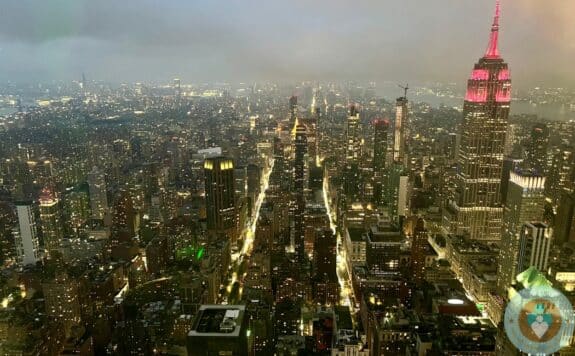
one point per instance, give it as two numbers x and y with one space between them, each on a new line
493 48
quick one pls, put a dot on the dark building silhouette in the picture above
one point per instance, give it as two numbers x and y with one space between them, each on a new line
418 252
537 149
565 220
380 144
326 286
220 195
124 218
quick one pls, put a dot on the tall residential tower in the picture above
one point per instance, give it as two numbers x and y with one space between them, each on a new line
98 195
300 151
51 220
399 154
525 203
381 127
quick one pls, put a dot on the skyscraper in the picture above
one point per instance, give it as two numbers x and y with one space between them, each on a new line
525 202
326 286
477 209
293 106
300 149
51 220
98 195
418 243
561 173
124 218
399 154
564 229
510 164
220 195
26 237
76 208
535 244
396 191
380 130
352 135
383 250
62 300
537 148
352 153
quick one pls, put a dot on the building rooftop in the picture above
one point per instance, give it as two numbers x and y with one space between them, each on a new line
356 234
218 320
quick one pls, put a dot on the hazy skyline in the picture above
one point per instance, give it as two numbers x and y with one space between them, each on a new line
247 40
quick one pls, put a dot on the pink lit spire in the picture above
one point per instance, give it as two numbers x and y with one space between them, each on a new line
492 48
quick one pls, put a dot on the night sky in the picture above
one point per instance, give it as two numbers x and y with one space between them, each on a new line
286 41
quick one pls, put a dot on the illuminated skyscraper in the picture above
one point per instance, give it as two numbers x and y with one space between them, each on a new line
535 245
510 164
352 135
396 189
26 236
300 149
62 301
124 218
293 106
477 209
51 220
561 173
383 250
76 208
381 128
399 154
352 154
220 195
525 202
98 195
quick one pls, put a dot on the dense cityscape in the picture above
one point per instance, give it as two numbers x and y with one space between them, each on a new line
316 218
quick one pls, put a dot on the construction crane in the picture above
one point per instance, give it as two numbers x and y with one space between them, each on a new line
405 89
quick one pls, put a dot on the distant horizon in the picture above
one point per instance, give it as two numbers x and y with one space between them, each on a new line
281 83
291 41
387 90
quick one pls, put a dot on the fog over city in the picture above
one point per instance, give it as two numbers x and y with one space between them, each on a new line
222 40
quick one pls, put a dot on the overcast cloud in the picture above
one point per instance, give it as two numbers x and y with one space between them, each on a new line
247 40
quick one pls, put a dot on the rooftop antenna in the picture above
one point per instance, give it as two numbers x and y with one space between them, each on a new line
405 89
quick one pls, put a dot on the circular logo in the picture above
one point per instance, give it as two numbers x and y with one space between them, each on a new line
539 320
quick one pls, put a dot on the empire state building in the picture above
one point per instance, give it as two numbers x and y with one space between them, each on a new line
476 209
